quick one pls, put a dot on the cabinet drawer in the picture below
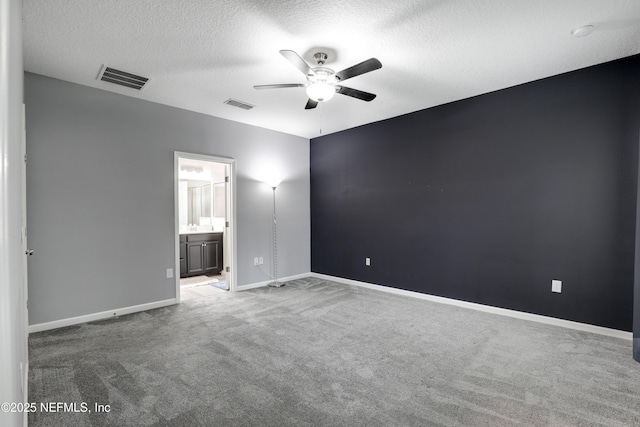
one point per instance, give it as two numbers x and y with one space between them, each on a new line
204 237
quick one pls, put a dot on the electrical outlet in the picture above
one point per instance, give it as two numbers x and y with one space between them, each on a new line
556 286
367 261
256 261
169 273
261 261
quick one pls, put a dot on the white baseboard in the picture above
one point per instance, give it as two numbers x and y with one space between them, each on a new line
252 286
136 308
486 308
280 279
474 306
98 316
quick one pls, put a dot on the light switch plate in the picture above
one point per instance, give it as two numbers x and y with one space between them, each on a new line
556 286
169 273
367 261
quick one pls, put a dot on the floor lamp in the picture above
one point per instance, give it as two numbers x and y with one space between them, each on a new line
274 257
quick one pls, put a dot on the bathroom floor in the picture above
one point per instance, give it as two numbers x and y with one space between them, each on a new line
195 281
201 286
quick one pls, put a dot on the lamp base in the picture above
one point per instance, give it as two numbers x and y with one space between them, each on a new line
276 284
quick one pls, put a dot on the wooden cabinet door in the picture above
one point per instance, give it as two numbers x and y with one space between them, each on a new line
194 258
202 254
210 252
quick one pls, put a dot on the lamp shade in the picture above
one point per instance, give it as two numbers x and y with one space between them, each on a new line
321 91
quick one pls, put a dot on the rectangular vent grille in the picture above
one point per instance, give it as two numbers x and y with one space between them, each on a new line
239 104
122 78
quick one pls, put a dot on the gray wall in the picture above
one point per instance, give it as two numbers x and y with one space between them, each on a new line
100 196
13 333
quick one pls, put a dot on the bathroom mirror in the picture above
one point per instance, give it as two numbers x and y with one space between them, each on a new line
199 206
201 196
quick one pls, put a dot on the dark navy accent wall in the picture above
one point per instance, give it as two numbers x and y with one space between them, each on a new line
490 198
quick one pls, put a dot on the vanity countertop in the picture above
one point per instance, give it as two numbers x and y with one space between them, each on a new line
200 232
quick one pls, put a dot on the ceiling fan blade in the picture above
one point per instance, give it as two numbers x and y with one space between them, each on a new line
279 86
311 104
355 93
361 68
297 62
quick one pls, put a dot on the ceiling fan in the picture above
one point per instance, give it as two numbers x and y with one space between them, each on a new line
322 82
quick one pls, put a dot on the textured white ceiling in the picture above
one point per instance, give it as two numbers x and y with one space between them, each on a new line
200 53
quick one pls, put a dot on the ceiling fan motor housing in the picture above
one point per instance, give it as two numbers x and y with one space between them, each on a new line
320 58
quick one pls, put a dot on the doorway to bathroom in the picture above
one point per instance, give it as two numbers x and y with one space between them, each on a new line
204 202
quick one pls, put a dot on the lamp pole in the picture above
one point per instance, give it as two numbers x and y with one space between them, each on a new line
274 258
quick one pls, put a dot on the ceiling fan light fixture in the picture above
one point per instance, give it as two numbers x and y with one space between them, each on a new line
321 91
322 85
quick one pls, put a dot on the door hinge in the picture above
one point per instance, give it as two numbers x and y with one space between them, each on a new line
228 269
226 179
226 224
25 158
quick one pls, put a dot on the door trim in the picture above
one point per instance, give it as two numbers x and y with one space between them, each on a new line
230 256
25 266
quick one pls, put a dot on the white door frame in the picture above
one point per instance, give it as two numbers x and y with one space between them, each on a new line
26 251
230 254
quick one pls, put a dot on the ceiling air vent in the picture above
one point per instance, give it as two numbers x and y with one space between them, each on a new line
122 78
239 104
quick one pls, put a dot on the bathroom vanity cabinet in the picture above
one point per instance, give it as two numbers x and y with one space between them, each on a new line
200 253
